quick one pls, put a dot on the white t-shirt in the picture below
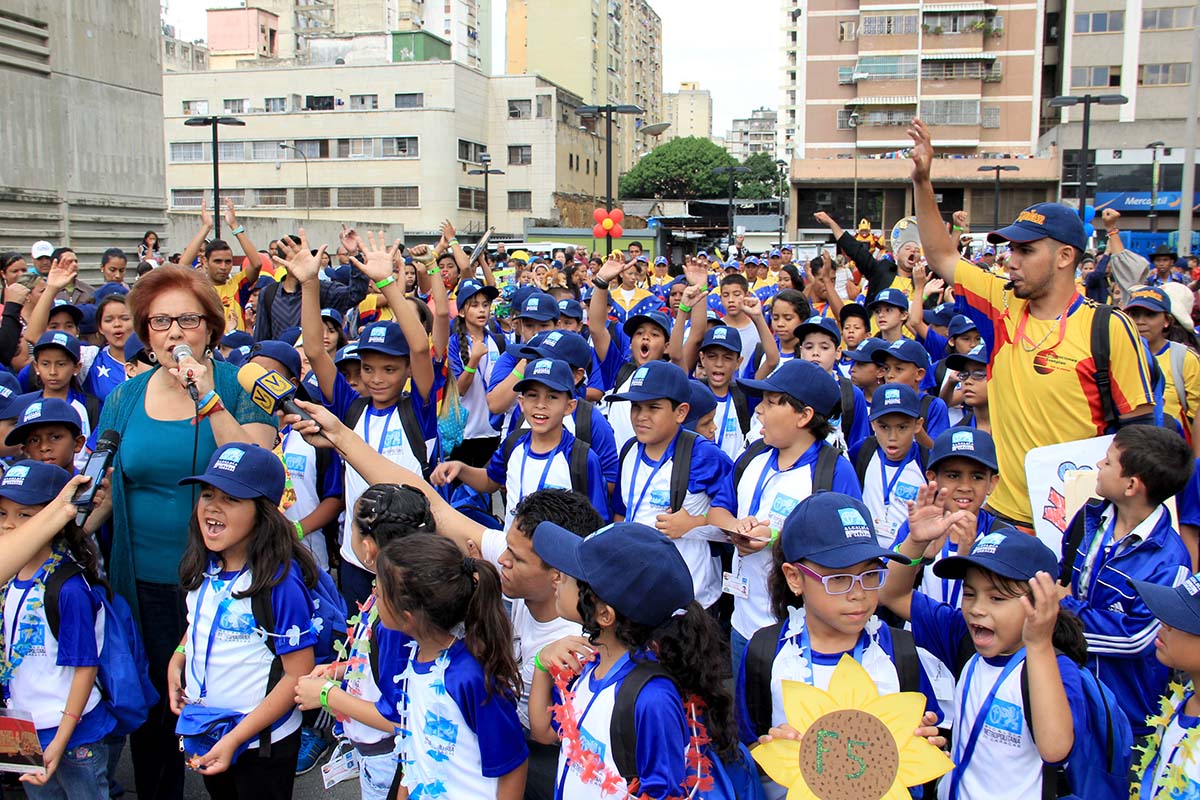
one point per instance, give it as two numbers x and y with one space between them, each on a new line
529 471
890 511
619 414
301 460
750 340
729 428
361 683
475 400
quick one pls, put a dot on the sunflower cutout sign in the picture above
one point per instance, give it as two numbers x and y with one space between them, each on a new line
854 743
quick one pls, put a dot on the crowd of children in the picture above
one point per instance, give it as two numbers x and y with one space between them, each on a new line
590 514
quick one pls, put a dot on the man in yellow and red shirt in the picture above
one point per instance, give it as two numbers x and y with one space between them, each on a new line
1042 385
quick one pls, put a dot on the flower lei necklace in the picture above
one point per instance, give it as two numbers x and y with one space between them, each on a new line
699 766
11 659
1174 777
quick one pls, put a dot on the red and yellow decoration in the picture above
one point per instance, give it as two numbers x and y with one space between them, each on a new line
608 223
865 235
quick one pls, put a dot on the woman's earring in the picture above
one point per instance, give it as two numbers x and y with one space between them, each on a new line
152 356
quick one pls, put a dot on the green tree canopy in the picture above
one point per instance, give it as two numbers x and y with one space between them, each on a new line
762 169
681 168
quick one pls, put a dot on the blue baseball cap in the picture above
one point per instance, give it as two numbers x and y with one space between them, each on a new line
962 442
110 289
470 287
60 339
810 533
238 355
940 315
961 362
1010 554
889 297
266 280
33 483
537 306
340 274
654 381
549 372
334 316
865 352
565 346
10 390
347 353
631 567
751 260
521 292
787 248
133 347
802 380
1177 606
1044 221
234 339
895 398
960 324
904 350
816 324
383 337
988 250
568 307
722 336
702 254
701 403
63 305
643 258
776 254
43 411
1150 298
282 352
290 335
244 471
658 262
87 325
657 317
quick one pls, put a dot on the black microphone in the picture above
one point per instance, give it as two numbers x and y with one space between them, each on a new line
96 468
1008 287
182 351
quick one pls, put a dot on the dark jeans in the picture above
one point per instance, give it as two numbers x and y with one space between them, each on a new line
253 777
355 584
157 760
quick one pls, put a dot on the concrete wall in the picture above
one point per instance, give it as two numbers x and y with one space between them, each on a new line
83 157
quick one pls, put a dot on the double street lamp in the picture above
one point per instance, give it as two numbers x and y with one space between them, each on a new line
731 171
1155 147
307 190
998 168
608 111
486 160
214 122
1087 100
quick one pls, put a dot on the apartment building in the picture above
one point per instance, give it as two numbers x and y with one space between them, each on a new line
179 55
752 134
855 74
392 142
605 51
689 111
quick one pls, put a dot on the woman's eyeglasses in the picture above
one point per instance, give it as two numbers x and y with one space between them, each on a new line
187 322
871 580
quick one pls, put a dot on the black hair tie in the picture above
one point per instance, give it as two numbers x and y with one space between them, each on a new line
468 565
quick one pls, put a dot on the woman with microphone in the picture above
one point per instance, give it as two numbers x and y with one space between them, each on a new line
170 420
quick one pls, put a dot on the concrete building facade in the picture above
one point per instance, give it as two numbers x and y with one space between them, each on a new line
392 142
83 159
179 55
752 134
689 111
605 51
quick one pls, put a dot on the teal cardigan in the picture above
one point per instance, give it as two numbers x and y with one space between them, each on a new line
118 409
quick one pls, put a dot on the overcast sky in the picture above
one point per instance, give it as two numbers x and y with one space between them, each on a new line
734 53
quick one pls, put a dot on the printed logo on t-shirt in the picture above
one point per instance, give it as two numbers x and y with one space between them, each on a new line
15 476
393 439
1004 723
230 459
438 727
962 440
660 498
31 631
591 744
296 463
731 425
853 524
988 544
905 491
781 507
235 626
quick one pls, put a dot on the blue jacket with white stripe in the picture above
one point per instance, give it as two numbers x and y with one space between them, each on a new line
1119 628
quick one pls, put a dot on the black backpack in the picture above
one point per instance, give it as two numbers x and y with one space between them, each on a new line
577 461
622 725
582 416
741 407
408 422
681 466
868 449
827 458
847 390
760 656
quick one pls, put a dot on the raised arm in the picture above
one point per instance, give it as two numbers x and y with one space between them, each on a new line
598 307
461 260
752 307
62 273
253 259
302 265
441 301
939 249
1115 245
685 348
197 243
378 267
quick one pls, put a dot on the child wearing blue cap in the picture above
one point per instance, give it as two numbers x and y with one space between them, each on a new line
472 354
631 591
864 372
702 411
56 364
50 671
400 425
890 312
49 431
665 459
826 575
905 361
1021 709
790 462
890 464
533 312
971 371
547 396
720 354
820 339
241 546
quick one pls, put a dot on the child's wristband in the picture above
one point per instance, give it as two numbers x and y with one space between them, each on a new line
913 562
685 309
537 662
388 281
181 650
774 537
520 375
955 227
454 242
325 693
204 401
470 370
433 270
73 716
299 530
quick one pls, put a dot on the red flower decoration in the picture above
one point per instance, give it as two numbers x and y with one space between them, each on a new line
608 223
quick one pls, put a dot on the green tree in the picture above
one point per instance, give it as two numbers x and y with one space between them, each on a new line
681 168
757 190
762 170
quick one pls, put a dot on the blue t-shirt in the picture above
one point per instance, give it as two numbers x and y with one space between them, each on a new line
106 374
1187 502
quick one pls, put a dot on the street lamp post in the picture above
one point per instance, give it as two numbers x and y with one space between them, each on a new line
1154 147
998 168
853 122
731 171
782 185
608 111
1064 101
486 160
307 190
213 122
